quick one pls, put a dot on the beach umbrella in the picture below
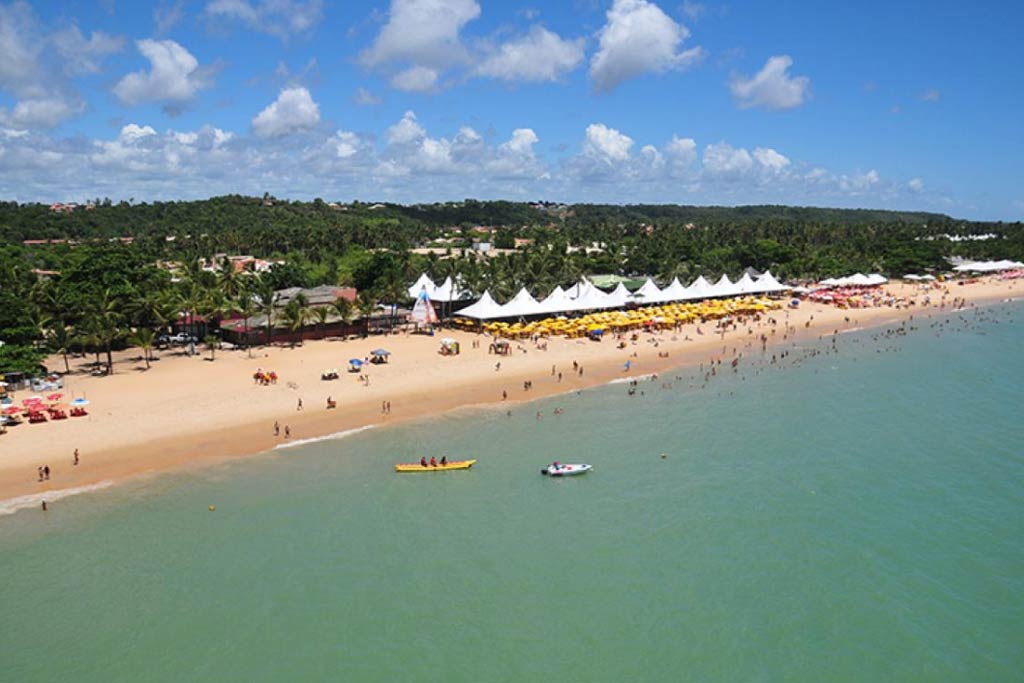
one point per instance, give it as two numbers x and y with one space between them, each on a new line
355 361
381 352
54 397
78 402
11 410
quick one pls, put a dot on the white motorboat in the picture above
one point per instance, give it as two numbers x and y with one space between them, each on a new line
557 469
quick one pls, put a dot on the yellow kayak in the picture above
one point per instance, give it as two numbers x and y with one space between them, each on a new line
450 465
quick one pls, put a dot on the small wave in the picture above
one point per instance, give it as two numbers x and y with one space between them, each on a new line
623 380
328 437
34 500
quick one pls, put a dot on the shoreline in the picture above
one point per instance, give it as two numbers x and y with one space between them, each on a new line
197 421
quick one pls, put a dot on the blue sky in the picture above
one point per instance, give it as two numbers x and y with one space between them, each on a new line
894 105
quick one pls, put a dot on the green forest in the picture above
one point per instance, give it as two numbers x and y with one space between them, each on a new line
101 288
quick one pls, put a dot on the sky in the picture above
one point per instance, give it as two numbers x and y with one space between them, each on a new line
908 105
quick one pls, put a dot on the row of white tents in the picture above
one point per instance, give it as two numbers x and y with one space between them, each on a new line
445 292
988 266
584 296
856 280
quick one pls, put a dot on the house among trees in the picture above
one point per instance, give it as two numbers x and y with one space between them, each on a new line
301 313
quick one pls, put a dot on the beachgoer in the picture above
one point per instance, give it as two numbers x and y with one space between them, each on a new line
444 459
39 470
299 405
76 456
287 432
277 428
44 506
46 471
504 395
433 461
423 461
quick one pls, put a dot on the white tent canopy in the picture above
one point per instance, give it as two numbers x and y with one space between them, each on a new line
485 309
855 280
522 304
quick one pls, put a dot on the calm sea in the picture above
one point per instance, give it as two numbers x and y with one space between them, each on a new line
854 515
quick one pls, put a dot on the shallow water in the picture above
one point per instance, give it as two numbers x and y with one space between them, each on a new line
857 516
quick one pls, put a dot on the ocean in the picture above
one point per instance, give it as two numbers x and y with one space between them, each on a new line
852 512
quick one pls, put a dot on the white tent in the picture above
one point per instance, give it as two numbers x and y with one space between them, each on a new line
768 284
724 287
745 285
648 293
424 282
698 289
988 266
674 292
485 309
618 297
555 302
521 304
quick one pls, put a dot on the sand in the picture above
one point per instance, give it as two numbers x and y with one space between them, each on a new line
186 411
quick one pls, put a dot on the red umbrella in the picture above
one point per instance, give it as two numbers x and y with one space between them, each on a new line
11 410
31 401
54 397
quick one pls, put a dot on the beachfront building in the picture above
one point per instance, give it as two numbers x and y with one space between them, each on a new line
254 330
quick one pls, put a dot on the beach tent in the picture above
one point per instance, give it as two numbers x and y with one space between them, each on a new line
618 297
648 293
484 309
745 285
877 279
988 266
522 304
767 284
699 289
555 302
424 282
674 292
724 287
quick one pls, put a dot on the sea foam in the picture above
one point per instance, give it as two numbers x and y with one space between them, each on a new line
328 437
35 500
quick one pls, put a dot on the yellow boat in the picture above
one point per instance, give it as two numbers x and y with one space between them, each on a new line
450 465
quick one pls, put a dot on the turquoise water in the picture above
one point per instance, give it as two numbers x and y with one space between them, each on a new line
854 516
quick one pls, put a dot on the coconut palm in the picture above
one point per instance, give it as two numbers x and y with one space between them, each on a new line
212 344
144 338
366 305
345 310
320 314
59 338
266 299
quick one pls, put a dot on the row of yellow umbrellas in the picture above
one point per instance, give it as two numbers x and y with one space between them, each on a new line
664 316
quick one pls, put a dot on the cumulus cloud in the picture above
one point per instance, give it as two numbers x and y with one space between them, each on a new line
45 112
280 18
540 55
521 142
770 159
416 79
422 33
915 185
405 131
82 56
606 144
294 110
772 87
174 75
638 38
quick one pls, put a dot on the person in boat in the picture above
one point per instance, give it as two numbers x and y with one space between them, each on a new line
433 461
423 461
444 459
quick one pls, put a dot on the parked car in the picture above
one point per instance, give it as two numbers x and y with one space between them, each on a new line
171 339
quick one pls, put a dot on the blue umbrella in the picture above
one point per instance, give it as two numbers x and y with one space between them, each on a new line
355 361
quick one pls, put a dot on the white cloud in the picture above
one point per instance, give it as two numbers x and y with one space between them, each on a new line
606 144
721 159
681 151
45 112
405 131
932 95
693 10
422 33
772 87
365 98
276 17
770 159
915 185
293 110
638 38
346 144
174 76
859 183
416 79
81 56
521 142
540 55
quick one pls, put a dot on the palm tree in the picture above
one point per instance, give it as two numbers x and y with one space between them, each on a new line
366 304
59 337
321 314
212 344
265 299
247 308
344 309
105 324
144 338
296 314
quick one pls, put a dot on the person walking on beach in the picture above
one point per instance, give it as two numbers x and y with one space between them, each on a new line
287 432
76 456
277 428
46 471
39 471
299 405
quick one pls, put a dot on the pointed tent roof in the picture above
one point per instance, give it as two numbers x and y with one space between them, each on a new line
698 289
745 285
423 282
555 302
522 303
723 287
484 309
674 292
648 293
767 283
618 297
